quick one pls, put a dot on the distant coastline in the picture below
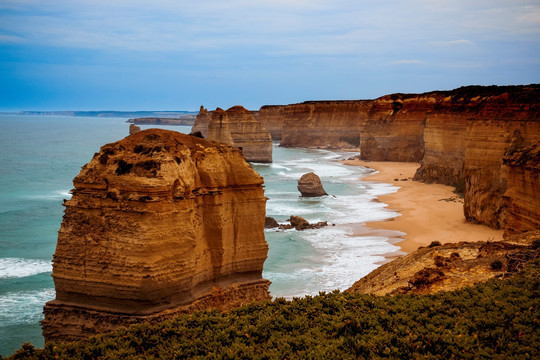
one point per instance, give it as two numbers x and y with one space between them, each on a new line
109 113
187 119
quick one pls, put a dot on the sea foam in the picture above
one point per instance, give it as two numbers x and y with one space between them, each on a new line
25 307
20 268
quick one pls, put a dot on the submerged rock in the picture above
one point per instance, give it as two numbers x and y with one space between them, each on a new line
160 223
310 185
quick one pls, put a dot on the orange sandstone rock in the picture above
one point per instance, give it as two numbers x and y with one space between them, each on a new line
522 196
310 185
459 136
159 223
201 122
236 126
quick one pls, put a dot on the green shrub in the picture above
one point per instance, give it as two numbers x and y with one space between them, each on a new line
497 319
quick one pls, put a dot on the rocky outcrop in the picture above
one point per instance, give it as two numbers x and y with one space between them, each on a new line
310 185
201 122
238 127
133 129
270 223
159 223
450 266
299 223
522 195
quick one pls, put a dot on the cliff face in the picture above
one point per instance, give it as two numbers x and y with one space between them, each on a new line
159 223
320 124
394 130
459 136
238 127
522 196
272 117
389 128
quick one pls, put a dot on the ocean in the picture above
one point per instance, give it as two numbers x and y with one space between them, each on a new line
40 155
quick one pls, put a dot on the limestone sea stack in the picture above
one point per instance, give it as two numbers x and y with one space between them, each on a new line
238 127
201 122
310 185
133 129
160 223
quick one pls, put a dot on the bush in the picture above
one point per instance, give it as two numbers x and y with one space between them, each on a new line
497 319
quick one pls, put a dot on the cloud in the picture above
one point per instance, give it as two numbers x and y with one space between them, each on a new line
6 38
452 42
407 62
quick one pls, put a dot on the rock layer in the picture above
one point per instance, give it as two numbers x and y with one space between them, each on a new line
522 196
238 127
159 223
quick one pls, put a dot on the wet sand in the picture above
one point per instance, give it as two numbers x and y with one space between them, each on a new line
429 212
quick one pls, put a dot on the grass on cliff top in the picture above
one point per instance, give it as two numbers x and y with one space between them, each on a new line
497 319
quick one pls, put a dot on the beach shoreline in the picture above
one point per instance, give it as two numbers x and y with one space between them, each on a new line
427 212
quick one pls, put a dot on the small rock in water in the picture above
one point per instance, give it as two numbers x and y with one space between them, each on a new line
299 223
310 185
270 223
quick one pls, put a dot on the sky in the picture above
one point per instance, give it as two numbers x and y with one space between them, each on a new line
177 55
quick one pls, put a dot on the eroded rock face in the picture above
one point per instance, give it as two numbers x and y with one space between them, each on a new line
159 223
450 266
522 196
238 127
310 185
201 122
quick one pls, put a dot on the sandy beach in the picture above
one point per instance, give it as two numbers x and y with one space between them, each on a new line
429 212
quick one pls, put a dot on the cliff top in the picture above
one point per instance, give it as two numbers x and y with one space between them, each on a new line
522 93
450 266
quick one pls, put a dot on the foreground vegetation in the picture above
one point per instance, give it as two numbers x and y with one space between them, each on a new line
498 319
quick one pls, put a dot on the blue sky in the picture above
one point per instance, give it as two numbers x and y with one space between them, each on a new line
178 55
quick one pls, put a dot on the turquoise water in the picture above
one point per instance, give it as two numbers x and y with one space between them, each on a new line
40 155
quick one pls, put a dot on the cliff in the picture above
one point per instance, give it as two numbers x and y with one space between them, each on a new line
388 128
459 136
159 223
238 127
450 266
522 195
